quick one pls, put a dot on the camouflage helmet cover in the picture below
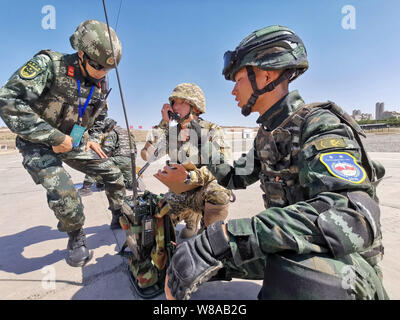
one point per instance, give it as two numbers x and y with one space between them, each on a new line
271 48
92 37
192 94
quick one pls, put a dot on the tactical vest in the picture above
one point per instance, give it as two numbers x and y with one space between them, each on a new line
278 151
59 105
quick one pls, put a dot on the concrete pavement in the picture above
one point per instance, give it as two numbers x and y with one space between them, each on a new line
33 251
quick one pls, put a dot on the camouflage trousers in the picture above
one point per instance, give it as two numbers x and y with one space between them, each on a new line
189 203
46 168
123 163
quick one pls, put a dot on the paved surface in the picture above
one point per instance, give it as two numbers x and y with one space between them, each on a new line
32 250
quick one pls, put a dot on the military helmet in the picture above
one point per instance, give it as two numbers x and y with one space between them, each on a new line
192 94
109 124
271 48
92 38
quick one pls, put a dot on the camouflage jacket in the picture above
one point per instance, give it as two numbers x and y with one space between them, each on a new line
116 143
184 151
40 101
333 210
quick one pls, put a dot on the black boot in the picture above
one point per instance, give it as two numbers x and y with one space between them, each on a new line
78 254
85 190
115 219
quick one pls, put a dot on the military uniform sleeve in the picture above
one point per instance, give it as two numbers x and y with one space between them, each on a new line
17 97
244 172
157 132
340 217
110 143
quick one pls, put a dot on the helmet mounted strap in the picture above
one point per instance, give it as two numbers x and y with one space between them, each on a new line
246 110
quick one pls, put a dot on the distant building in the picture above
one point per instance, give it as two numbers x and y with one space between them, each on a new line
379 109
381 114
390 114
358 115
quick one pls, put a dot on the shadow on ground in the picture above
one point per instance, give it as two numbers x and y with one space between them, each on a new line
12 247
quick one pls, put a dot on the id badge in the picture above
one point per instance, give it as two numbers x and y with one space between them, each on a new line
77 134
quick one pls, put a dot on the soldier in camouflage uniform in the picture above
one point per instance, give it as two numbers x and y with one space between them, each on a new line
56 96
208 198
115 144
320 235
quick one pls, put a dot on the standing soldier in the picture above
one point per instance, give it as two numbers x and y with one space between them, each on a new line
115 144
320 235
209 198
50 103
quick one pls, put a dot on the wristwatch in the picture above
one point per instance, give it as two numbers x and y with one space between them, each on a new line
188 178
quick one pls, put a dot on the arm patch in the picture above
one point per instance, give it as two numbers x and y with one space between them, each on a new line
344 166
30 70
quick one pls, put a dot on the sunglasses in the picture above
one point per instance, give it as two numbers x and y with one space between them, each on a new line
93 64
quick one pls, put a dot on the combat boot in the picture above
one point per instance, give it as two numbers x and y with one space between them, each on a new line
78 253
192 226
115 219
85 190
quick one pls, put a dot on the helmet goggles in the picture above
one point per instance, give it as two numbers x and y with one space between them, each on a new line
232 59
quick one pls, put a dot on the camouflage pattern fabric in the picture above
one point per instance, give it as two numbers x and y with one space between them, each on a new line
40 104
92 37
181 151
191 93
320 226
45 168
42 108
116 145
144 272
192 202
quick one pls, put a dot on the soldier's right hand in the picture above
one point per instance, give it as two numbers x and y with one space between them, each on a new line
164 112
65 146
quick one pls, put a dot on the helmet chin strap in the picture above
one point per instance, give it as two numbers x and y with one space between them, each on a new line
248 108
188 115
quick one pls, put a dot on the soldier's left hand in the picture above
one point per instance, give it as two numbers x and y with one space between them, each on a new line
196 261
96 148
178 174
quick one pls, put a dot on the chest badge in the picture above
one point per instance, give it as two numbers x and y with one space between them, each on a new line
343 166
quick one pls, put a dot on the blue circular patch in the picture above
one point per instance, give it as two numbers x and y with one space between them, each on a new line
344 166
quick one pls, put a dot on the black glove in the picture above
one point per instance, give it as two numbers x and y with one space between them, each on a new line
197 260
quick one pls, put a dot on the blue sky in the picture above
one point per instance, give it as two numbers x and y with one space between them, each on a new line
173 41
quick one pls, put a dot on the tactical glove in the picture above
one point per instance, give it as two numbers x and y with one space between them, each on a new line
197 260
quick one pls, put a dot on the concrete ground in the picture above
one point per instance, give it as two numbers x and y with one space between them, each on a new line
32 264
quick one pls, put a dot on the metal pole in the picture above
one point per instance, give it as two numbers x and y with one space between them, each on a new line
133 160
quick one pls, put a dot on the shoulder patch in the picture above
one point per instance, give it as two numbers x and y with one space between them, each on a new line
30 70
343 166
327 143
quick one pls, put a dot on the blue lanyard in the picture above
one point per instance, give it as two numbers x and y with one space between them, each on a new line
82 110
